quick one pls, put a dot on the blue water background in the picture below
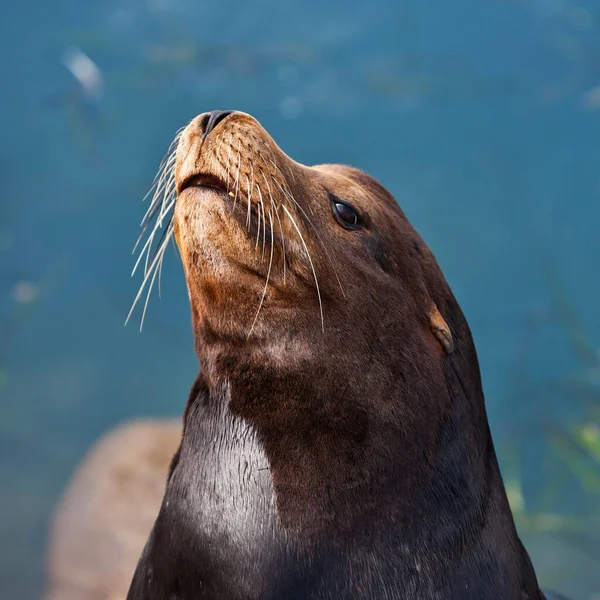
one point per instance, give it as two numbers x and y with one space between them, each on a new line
478 115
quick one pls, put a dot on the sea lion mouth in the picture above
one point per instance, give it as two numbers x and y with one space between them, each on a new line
205 180
246 212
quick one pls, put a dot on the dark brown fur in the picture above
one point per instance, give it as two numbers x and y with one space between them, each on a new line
347 456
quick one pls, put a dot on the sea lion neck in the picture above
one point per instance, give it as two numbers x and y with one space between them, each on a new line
332 498
333 432
343 465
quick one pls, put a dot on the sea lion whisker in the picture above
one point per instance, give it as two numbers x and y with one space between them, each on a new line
156 270
316 233
280 171
146 253
262 207
140 237
149 214
165 232
152 209
143 251
169 231
258 213
146 248
169 156
153 187
147 275
264 294
168 197
228 162
272 162
179 133
165 209
283 206
273 210
165 166
264 143
218 157
145 226
249 198
218 150
166 204
273 203
159 174
156 265
237 177
162 194
167 180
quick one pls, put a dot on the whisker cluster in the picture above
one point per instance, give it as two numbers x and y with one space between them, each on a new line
257 171
156 224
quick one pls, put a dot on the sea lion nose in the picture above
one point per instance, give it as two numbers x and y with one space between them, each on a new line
212 119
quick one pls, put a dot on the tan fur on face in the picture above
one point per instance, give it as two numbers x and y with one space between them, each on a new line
313 264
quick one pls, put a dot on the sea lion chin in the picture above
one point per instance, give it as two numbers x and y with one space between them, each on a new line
335 443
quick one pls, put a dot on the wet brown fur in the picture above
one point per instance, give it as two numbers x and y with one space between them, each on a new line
364 392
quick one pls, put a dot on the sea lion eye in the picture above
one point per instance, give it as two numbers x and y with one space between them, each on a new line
345 214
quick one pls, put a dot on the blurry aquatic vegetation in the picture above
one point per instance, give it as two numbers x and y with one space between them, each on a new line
573 447
579 448
578 444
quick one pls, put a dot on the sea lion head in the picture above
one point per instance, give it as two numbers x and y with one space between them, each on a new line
318 304
270 245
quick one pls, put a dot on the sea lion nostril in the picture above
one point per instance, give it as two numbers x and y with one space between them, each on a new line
212 119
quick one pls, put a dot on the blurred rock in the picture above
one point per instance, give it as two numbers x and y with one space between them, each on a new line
102 523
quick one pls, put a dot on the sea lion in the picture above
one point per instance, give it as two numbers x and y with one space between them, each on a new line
335 442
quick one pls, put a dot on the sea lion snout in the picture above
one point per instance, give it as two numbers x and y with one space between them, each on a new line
226 144
240 219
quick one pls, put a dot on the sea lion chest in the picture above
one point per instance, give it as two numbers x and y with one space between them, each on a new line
217 533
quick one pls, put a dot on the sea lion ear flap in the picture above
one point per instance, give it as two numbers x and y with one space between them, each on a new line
440 330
